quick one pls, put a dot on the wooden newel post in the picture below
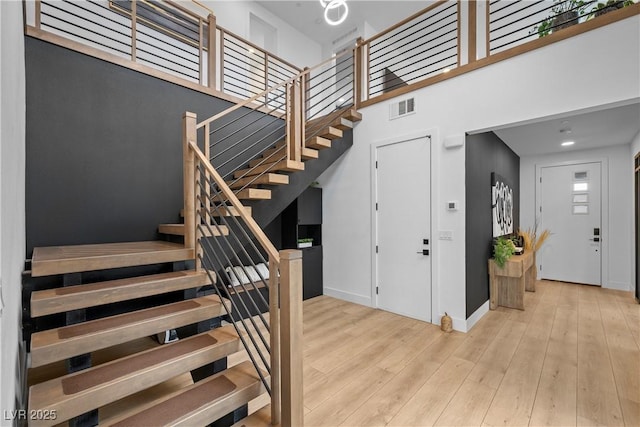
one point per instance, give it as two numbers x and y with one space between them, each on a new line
189 134
294 117
291 337
211 52
274 323
357 73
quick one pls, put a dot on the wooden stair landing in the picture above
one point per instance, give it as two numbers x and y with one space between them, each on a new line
79 258
80 392
68 341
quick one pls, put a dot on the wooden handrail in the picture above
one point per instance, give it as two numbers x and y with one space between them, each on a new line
255 229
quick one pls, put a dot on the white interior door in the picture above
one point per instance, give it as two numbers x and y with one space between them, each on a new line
571 209
403 225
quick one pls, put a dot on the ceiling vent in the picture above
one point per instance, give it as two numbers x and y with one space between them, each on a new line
402 108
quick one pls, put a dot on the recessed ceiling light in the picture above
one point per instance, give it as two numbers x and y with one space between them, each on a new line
567 143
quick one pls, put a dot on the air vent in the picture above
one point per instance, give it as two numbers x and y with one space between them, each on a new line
402 108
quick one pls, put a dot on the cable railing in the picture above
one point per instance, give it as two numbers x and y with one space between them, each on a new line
415 49
247 69
163 38
329 90
260 288
267 131
169 40
512 23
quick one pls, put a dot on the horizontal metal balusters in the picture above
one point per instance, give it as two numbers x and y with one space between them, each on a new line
235 249
417 49
328 91
109 28
512 23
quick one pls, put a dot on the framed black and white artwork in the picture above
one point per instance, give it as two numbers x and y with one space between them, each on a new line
501 205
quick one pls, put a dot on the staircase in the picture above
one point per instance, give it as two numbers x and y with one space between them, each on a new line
78 393
112 368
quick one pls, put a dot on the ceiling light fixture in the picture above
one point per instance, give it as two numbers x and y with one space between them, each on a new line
567 143
335 4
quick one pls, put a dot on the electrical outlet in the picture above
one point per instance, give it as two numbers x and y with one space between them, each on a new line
446 235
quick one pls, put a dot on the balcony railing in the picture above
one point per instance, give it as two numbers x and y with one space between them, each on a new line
165 39
172 41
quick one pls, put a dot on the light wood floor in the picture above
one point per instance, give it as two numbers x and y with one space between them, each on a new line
571 358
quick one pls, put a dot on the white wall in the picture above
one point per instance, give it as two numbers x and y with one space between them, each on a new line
618 253
293 46
635 145
547 81
12 188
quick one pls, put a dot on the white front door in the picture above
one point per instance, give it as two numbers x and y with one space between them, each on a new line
570 207
403 228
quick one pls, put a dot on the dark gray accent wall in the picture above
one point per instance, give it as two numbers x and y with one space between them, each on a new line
104 148
484 153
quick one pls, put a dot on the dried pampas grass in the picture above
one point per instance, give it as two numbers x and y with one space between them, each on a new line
533 241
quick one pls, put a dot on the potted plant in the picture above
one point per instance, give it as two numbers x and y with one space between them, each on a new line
564 13
305 243
503 248
610 5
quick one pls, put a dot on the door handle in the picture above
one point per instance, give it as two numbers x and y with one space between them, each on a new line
423 252
595 239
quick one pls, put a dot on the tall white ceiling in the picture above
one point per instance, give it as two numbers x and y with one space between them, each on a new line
307 15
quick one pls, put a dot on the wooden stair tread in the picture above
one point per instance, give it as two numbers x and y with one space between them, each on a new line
266 179
307 153
342 124
78 258
284 165
80 392
204 401
178 230
352 115
69 298
330 133
246 194
68 341
319 143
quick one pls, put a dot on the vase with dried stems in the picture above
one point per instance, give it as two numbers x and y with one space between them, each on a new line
533 240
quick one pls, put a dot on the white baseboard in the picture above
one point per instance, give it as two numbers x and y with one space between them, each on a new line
348 296
477 315
620 286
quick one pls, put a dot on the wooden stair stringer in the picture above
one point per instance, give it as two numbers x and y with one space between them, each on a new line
80 392
68 341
